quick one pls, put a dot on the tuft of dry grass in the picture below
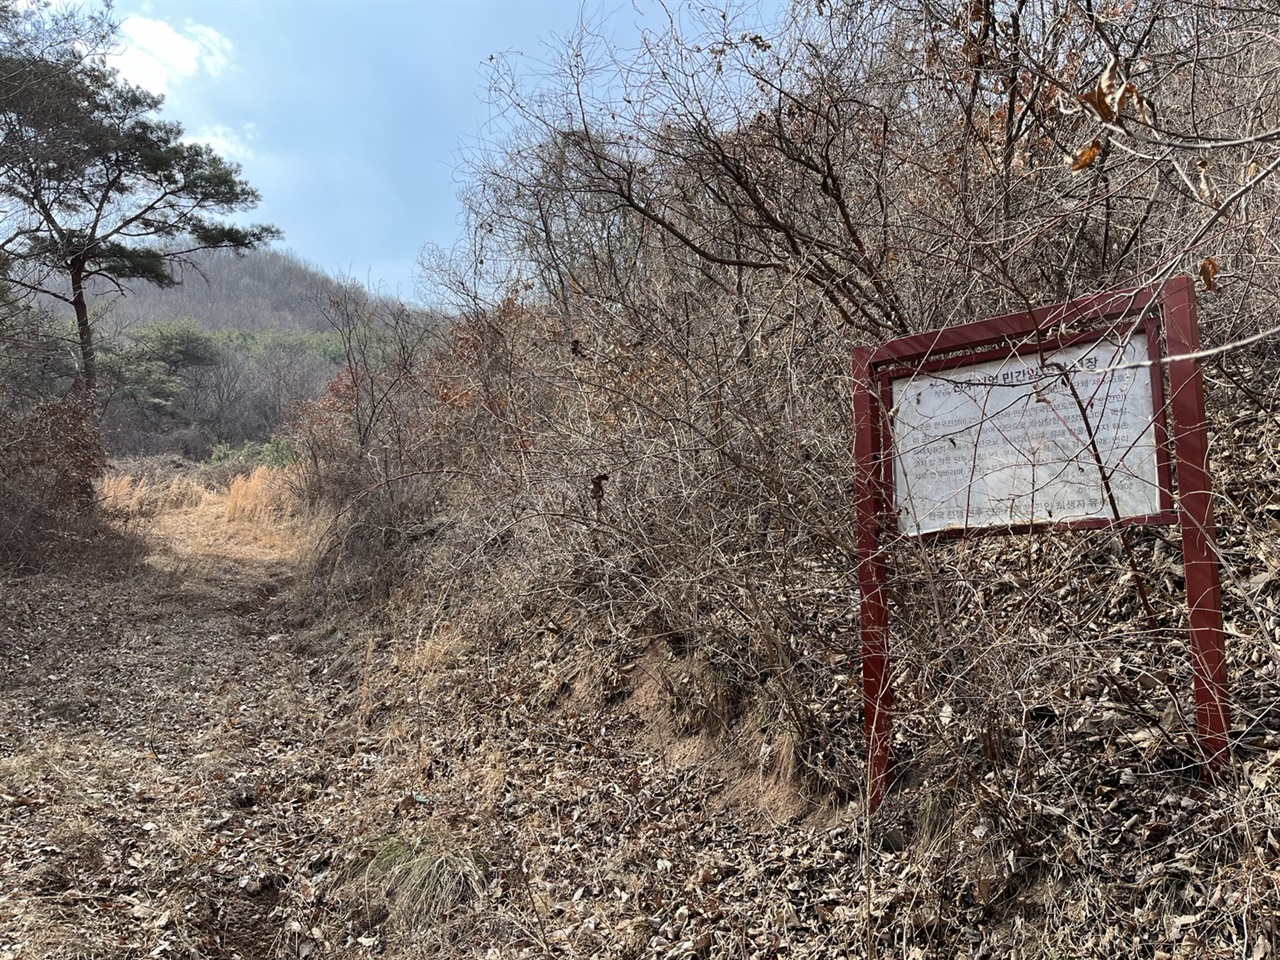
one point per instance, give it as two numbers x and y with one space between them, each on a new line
417 883
264 495
131 496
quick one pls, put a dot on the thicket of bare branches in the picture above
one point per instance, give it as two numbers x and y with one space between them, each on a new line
641 425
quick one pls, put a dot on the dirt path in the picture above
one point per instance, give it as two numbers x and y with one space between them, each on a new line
183 775
171 756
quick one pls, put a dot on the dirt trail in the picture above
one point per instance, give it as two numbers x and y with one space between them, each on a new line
182 774
166 749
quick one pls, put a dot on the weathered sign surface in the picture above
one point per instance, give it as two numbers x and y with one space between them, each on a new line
1019 440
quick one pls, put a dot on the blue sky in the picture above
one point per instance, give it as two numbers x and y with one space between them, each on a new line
348 117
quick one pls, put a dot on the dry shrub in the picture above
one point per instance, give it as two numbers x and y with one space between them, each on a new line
388 454
530 503
676 369
49 458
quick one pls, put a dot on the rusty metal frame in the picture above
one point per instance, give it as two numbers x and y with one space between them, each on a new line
1167 312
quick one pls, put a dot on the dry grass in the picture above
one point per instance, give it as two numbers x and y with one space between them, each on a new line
417 883
263 495
132 496
253 518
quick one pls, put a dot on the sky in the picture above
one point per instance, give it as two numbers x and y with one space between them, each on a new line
349 118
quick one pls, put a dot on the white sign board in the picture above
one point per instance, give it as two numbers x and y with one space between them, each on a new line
1004 443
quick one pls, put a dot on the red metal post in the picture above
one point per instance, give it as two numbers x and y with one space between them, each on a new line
877 696
1195 513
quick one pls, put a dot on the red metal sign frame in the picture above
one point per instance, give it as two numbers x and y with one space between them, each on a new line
1167 311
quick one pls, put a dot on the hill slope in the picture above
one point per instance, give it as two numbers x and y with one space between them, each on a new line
261 290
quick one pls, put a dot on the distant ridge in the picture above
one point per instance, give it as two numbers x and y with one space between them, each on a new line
262 290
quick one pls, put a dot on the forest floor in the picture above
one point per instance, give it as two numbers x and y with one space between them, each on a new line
170 760
185 771
192 765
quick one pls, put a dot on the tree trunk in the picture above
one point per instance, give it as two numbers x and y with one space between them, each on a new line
88 379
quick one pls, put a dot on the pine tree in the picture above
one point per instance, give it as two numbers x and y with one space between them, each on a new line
95 185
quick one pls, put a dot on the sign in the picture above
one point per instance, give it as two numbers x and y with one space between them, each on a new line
1062 416
1027 439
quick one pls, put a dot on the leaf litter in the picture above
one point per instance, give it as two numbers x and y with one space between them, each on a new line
188 771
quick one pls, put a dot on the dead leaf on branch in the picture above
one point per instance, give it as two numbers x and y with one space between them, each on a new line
1104 99
1208 271
1109 96
1086 156
1206 191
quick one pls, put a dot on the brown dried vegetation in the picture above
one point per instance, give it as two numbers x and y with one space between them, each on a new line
632 474
603 697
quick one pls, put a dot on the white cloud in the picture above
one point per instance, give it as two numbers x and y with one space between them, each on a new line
228 143
157 56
